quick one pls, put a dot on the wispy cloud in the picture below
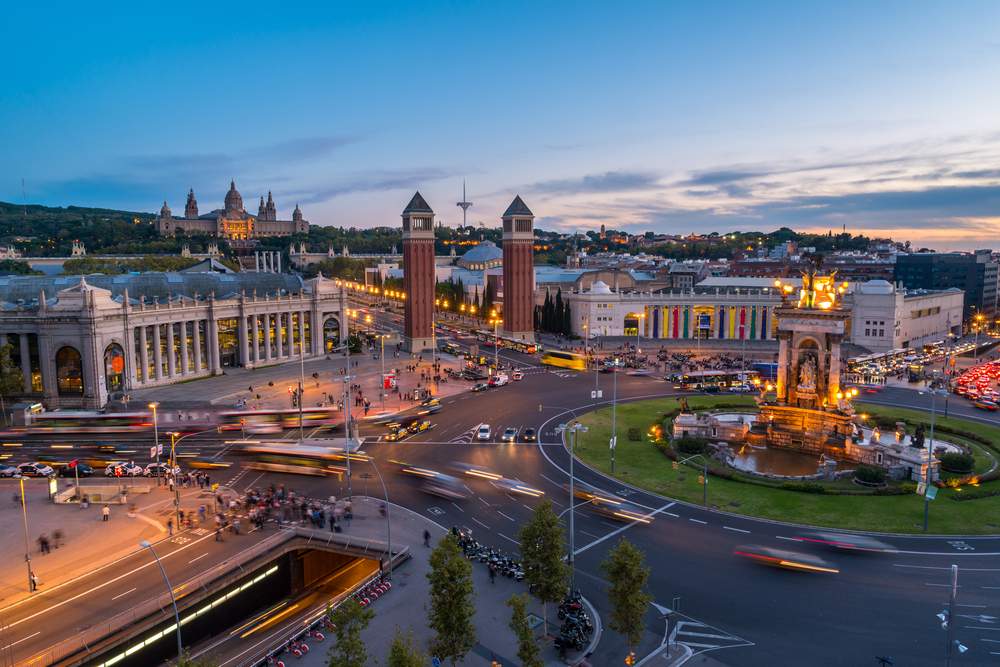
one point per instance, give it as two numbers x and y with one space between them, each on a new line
379 181
609 181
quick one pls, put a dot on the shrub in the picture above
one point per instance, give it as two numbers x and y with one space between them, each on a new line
869 474
804 487
634 434
958 463
690 446
975 494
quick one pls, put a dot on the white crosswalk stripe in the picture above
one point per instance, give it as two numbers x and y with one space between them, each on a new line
702 637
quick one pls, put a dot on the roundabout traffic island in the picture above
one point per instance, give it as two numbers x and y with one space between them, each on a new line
836 493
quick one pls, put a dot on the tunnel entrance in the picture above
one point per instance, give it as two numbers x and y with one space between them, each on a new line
245 611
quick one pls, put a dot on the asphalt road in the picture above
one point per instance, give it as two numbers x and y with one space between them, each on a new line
878 604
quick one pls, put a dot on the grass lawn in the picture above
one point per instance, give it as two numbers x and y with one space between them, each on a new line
641 464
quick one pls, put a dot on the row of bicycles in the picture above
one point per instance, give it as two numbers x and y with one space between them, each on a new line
496 560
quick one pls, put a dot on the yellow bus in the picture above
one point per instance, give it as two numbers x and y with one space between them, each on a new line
570 360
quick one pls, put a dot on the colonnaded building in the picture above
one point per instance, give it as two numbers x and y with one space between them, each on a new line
883 316
79 341
232 221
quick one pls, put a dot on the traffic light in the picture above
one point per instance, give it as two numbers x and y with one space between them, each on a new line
630 659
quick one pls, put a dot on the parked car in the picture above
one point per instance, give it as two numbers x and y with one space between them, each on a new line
123 469
483 434
35 470
81 470
8 471
528 435
156 470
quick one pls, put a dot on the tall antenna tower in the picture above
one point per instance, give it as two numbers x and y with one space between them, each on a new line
464 205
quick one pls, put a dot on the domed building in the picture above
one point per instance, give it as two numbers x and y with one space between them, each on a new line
232 221
485 255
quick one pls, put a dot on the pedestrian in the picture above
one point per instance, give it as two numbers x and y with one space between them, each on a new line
33 581
493 574
218 533
427 537
170 527
105 513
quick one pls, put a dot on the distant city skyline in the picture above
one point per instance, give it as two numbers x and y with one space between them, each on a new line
642 116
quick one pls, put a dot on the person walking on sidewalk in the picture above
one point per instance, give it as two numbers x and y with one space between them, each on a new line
105 513
493 573
170 527
427 537
33 581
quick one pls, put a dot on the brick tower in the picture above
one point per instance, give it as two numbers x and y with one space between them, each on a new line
418 274
518 271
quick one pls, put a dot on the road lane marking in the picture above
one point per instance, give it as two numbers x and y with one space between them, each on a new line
23 639
676 516
509 538
550 480
504 515
458 508
939 567
121 595
480 523
790 539
484 501
698 521
735 530
590 534
621 529
197 558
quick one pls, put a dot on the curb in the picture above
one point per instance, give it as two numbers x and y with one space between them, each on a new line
720 512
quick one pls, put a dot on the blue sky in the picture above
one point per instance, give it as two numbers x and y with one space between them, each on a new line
663 116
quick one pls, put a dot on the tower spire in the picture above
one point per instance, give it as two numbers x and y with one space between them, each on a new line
464 204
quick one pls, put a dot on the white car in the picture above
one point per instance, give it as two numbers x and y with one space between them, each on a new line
123 469
35 470
509 434
483 434
517 375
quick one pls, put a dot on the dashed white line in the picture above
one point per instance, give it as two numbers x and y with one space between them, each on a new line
509 538
458 508
676 516
480 523
504 515
735 530
790 539
23 639
121 595
698 521
485 502
197 558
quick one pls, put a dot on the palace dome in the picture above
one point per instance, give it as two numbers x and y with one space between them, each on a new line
234 201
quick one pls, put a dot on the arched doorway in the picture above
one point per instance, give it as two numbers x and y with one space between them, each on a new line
114 368
331 333
69 372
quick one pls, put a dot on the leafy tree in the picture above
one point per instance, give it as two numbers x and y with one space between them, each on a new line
543 546
451 610
527 647
404 651
547 312
567 321
11 378
557 313
349 621
627 574
16 267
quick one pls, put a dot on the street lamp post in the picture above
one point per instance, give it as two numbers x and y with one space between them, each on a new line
704 475
156 437
614 414
496 345
930 457
571 558
388 524
381 355
173 472
24 514
177 619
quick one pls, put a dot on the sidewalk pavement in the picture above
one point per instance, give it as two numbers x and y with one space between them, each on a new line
272 384
406 605
78 551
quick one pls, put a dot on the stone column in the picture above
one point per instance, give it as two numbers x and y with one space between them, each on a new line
26 361
47 368
144 353
197 346
185 358
157 355
783 362
302 333
171 361
244 343
255 332
267 336
3 340
277 334
213 346
318 344
833 385
290 332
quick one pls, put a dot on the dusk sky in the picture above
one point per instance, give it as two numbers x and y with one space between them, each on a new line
664 116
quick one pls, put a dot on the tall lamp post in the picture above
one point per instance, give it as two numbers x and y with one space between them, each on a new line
173 472
24 514
156 436
177 619
614 414
704 475
930 454
978 326
573 429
